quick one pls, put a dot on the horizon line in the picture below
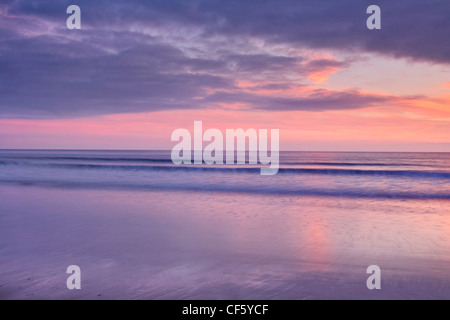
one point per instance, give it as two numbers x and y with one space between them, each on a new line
168 150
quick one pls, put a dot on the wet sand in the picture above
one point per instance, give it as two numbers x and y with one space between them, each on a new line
195 245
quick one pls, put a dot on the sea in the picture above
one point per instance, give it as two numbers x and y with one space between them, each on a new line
140 227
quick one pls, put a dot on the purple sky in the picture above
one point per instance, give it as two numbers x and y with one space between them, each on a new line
203 57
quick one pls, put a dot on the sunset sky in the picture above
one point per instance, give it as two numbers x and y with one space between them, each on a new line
137 70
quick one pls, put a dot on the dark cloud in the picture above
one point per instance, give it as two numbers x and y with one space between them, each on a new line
273 86
321 64
116 65
410 28
318 100
40 78
258 62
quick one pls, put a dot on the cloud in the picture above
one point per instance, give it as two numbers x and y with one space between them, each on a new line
321 69
257 63
410 28
318 100
140 56
41 79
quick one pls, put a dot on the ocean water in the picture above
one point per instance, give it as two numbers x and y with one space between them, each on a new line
367 175
140 227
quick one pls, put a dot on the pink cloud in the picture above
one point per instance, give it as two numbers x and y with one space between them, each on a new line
299 130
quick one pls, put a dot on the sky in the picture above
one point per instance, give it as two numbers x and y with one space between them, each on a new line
138 70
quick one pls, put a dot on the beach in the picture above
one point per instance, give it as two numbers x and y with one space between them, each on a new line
170 233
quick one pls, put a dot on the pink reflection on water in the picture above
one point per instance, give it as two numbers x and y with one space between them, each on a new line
317 242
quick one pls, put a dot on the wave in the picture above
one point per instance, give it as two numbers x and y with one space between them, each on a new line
165 160
389 173
242 189
100 159
356 164
249 170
